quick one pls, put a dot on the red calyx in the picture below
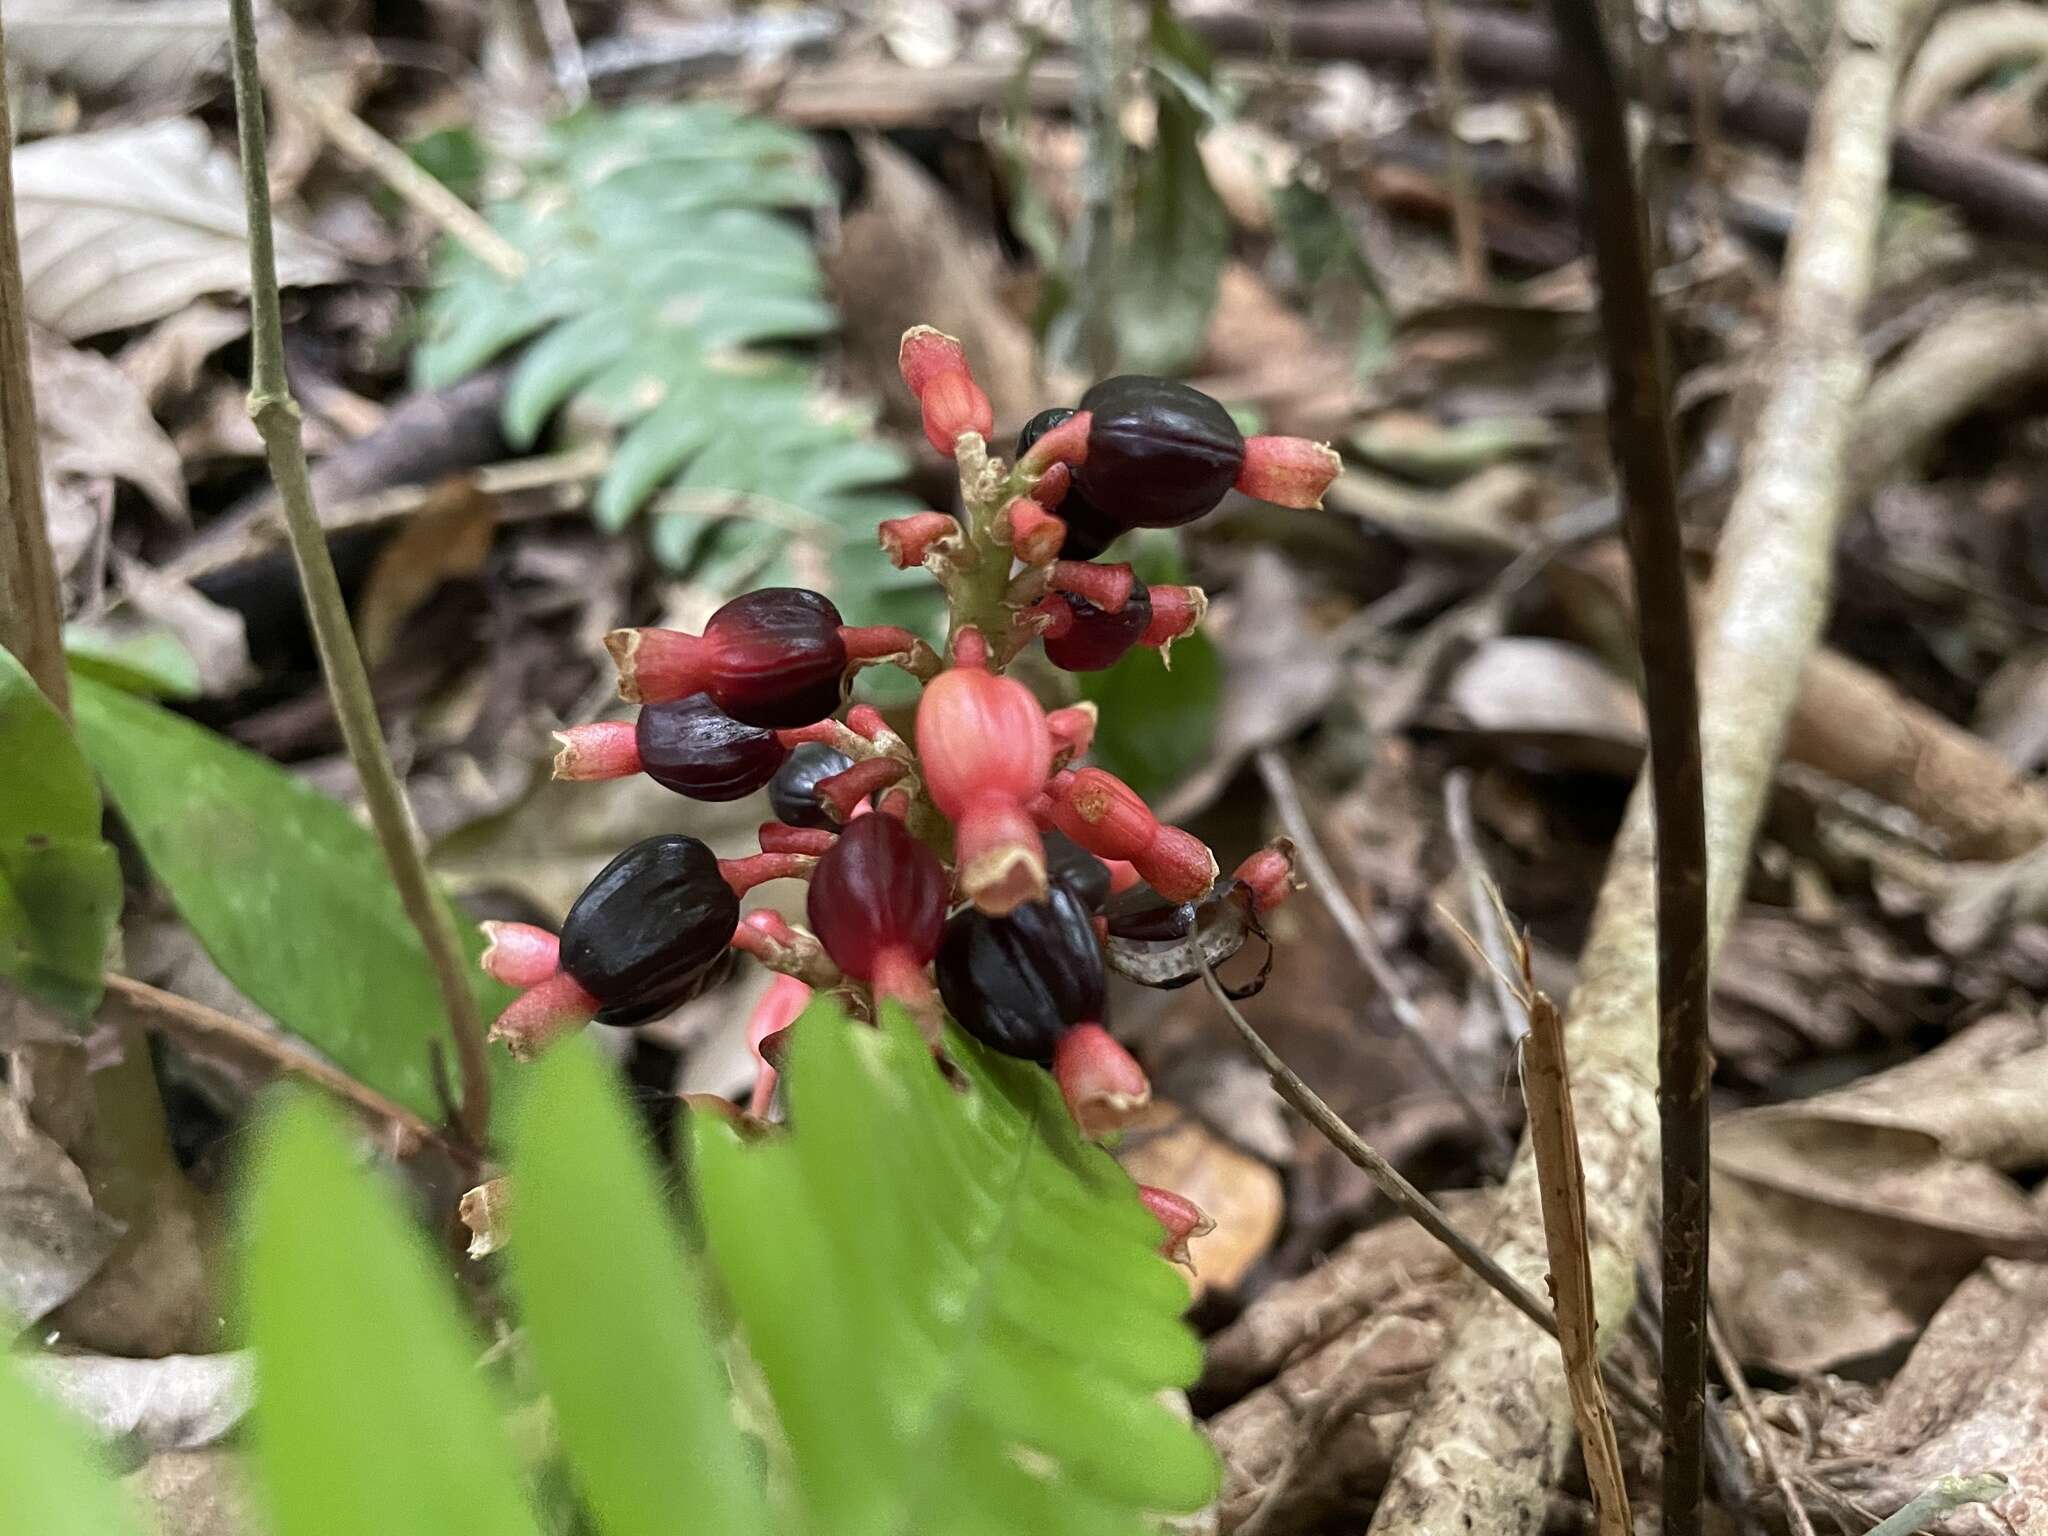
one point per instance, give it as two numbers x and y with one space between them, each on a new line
1035 534
1269 874
1108 587
1066 444
778 1008
1288 471
780 837
908 541
519 954
934 367
1108 818
1179 1217
603 749
986 751
543 1014
768 937
1177 612
1101 1081
759 868
1073 730
879 890
845 792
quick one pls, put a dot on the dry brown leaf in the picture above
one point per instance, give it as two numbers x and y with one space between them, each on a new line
127 224
1260 352
94 424
166 361
1842 1222
1549 696
138 50
1171 1148
175 1403
449 538
52 1237
213 635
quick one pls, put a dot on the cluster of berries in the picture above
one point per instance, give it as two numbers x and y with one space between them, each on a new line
981 871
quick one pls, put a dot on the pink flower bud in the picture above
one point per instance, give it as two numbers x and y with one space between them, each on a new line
541 1015
1269 874
934 366
1035 534
986 750
519 954
1179 1217
604 749
1108 587
1288 471
1101 1081
778 1008
908 541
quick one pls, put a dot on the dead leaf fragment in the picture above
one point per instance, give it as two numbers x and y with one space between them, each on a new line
177 1403
483 1211
121 226
52 1238
1552 696
141 50
95 425
446 540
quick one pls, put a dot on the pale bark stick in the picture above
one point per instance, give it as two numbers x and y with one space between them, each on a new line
1493 1430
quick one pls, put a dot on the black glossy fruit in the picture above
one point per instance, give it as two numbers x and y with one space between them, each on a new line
1160 453
792 793
1098 638
652 930
1018 983
1078 869
695 748
1089 530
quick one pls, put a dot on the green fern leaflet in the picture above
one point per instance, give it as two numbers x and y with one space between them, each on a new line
665 281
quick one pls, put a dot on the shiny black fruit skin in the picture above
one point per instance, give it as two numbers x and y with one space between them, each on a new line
1098 639
696 749
792 793
1160 453
1077 869
652 930
1018 983
1089 530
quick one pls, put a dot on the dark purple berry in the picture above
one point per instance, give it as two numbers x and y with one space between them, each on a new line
695 748
793 792
1160 453
1018 983
652 930
1098 638
1089 531
1078 869
878 889
778 660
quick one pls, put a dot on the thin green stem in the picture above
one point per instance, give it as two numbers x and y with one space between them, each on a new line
276 416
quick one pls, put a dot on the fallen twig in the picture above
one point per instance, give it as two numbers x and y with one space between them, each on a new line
1639 432
1329 890
1745 1402
2001 190
1466 228
276 416
1491 1434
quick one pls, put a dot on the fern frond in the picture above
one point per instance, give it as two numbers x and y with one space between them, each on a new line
664 276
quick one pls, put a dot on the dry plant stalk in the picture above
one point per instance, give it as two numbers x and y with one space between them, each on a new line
1491 1434
1554 1137
31 611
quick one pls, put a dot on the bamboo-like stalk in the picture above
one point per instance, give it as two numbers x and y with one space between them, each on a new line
276 415
1639 423
31 611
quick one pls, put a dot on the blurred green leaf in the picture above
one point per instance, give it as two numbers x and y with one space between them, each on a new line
147 659
1332 266
622 1343
1157 722
371 1415
1180 237
665 283
287 892
54 1479
60 883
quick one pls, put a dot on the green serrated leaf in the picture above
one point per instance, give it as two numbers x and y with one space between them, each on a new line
944 1223
615 1315
1157 722
286 891
60 884
56 1483
370 1413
